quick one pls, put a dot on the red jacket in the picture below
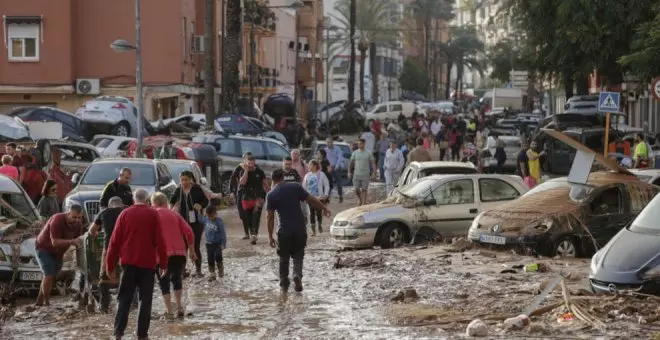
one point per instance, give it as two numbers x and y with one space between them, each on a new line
137 239
176 232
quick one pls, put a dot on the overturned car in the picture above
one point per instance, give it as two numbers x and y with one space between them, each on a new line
559 218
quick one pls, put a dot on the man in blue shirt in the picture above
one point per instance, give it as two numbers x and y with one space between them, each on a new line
336 159
285 199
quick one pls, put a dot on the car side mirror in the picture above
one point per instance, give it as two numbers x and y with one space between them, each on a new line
75 178
204 181
429 202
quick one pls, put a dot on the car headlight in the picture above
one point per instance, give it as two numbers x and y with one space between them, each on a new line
595 261
357 222
3 257
70 202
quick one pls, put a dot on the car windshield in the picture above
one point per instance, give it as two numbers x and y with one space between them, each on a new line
20 205
102 173
419 189
644 178
101 142
577 192
12 129
647 220
176 169
448 170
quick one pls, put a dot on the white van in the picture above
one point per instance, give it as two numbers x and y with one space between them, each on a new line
390 111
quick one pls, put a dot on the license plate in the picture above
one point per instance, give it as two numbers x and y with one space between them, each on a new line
30 276
492 239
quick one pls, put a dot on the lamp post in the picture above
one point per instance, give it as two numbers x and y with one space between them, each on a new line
295 5
122 45
327 22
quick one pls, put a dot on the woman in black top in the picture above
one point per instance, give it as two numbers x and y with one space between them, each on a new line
189 200
326 168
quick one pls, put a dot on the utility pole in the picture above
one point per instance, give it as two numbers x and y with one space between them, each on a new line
138 79
209 73
351 64
251 67
222 57
295 71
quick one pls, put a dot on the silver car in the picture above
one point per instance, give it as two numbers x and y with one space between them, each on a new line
417 170
512 147
110 114
438 206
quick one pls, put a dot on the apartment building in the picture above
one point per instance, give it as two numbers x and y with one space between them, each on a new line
57 53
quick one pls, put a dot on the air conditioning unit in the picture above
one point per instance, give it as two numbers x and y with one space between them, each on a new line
88 86
197 44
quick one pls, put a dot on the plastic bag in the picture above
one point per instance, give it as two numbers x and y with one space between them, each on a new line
530 182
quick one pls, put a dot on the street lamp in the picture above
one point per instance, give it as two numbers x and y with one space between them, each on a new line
295 5
121 45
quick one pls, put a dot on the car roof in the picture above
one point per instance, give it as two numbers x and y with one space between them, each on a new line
7 184
648 172
335 143
177 161
125 160
113 137
240 136
453 176
440 164
603 178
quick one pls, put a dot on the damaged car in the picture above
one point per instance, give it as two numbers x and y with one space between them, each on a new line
431 208
630 261
560 218
20 224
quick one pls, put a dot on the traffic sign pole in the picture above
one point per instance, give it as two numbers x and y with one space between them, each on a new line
608 102
607 134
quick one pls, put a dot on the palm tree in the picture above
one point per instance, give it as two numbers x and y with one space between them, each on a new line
351 63
462 50
373 25
233 55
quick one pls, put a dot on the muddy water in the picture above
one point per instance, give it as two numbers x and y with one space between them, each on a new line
348 303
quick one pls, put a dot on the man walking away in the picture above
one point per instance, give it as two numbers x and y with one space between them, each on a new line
253 185
393 165
235 193
292 233
178 237
216 241
62 231
136 241
361 169
106 219
336 159
419 153
119 187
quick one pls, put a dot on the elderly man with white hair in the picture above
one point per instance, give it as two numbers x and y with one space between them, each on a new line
297 163
135 242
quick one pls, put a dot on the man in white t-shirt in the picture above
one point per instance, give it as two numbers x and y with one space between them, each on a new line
369 140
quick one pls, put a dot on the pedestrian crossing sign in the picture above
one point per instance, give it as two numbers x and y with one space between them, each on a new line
608 102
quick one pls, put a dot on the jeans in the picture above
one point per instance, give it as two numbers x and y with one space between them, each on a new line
315 216
291 244
253 219
214 255
174 274
133 278
241 214
381 163
198 229
336 179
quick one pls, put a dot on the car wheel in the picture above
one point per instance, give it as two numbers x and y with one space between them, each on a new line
46 153
393 236
225 185
565 247
122 129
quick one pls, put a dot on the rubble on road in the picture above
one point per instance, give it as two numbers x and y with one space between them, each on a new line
476 328
357 262
459 245
406 295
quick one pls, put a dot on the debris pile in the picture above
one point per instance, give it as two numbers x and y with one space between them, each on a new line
375 261
459 245
406 295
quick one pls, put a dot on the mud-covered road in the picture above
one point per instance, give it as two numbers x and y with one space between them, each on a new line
410 293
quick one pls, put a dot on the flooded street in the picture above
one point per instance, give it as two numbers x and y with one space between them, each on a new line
415 292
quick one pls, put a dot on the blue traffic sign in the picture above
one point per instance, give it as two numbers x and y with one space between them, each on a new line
608 102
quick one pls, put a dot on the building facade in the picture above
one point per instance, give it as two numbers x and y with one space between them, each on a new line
50 47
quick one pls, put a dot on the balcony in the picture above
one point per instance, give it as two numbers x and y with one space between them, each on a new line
265 81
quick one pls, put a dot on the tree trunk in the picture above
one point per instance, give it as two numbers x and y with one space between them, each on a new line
427 41
232 55
450 64
582 85
363 59
459 68
373 70
568 83
351 64
209 62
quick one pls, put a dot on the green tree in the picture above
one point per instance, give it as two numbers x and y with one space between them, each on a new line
413 77
645 49
373 26
462 50
232 55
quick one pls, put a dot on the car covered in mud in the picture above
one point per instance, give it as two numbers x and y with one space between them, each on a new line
432 208
652 176
560 218
417 170
20 224
631 260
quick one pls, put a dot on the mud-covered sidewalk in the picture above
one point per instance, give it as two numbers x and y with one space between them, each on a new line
417 292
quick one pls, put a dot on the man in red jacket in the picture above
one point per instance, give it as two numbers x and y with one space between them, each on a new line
136 241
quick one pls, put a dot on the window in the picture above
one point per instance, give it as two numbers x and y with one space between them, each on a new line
227 147
104 172
76 154
492 190
404 179
64 118
396 108
608 202
101 142
381 109
276 152
255 147
23 42
455 192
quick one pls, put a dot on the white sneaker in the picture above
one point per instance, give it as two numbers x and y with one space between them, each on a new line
254 239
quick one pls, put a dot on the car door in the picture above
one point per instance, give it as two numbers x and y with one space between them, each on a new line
164 182
229 152
258 150
394 110
606 216
456 206
495 191
276 153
